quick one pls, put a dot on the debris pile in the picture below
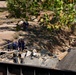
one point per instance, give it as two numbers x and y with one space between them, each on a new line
29 57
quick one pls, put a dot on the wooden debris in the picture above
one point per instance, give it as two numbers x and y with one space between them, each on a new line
62 55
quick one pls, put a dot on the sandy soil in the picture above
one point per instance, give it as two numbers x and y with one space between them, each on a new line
6 33
3 4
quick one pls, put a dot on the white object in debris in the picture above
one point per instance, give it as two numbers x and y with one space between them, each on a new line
20 22
28 53
23 55
35 53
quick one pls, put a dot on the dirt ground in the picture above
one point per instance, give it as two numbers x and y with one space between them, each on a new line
4 31
8 32
3 4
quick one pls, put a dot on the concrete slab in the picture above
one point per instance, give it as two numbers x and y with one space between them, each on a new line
69 62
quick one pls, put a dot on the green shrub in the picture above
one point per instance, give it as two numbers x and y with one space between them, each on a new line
63 9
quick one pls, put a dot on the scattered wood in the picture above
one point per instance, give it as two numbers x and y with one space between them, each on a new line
62 55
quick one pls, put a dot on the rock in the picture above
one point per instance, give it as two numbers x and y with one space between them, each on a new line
38 55
23 55
35 54
33 17
28 53
34 51
35 20
20 22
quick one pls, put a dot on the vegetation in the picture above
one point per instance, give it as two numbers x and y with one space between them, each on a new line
64 11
